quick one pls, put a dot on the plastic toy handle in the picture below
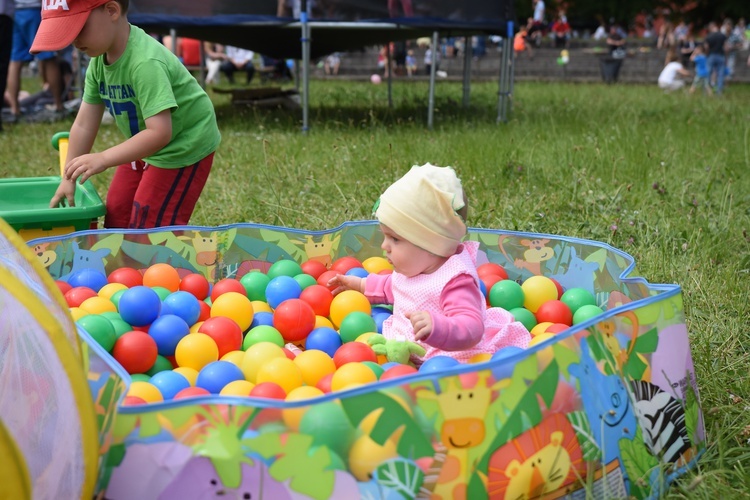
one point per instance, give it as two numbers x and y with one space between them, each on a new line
60 143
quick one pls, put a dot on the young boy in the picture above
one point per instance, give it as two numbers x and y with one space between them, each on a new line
701 71
168 119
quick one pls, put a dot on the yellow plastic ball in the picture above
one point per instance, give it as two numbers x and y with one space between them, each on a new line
322 321
346 302
366 455
352 374
98 305
293 416
363 337
256 355
191 374
195 327
108 290
196 350
261 306
480 358
376 265
237 388
537 290
544 357
236 306
540 328
146 391
78 313
234 357
281 371
314 365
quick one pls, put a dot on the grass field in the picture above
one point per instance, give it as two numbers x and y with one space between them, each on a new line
664 177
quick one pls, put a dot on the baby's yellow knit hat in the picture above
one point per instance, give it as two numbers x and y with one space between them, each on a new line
421 208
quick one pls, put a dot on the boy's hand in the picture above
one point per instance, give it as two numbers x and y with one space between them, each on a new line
65 191
421 321
84 167
342 282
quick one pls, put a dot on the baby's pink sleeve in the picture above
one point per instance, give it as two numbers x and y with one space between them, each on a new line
378 289
460 325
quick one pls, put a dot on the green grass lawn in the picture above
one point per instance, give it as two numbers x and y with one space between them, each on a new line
664 177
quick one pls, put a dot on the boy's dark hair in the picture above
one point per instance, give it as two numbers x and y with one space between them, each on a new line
124 4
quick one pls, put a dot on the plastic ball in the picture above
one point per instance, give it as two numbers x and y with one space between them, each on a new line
285 267
98 305
77 295
191 392
100 329
537 290
313 267
90 278
375 367
355 324
161 291
235 357
504 368
438 364
121 328
524 316
347 302
191 374
559 288
227 285
77 313
133 401
255 283
555 311
268 390
140 377
480 358
215 375
325 277
489 281
319 298
324 384
314 365
322 321
139 305
375 80
235 306
490 268
354 352
170 383
237 388
574 298
109 289
196 350
344 264
163 275
183 304
585 313
506 294
261 318
167 330
542 337
294 319
195 284
135 351
352 375
397 371
324 339
258 354
225 332
63 286
360 272
127 276
280 289
328 425
540 328
262 333
146 391
115 298
281 371
305 281
293 416
376 265
160 365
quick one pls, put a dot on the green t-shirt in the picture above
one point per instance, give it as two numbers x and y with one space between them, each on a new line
146 80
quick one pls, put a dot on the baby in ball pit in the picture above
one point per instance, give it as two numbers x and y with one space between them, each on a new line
434 287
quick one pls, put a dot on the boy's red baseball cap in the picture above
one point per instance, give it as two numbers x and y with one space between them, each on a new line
62 21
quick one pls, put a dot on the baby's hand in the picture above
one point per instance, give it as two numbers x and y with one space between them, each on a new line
421 321
342 282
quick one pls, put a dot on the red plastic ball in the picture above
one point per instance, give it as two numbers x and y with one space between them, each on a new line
227 285
352 352
63 286
288 353
191 392
225 331
142 328
319 297
556 328
205 311
554 311
294 319
127 276
397 371
314 268
76 295
197 284
324 384
559 288
324 278
490 268
133 401
268 390
135 351
343 264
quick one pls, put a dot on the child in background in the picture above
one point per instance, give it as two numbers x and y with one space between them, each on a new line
434 287
411 63
701 70
168 119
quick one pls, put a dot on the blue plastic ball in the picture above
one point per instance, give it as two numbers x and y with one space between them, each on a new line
214 376
139 306
504 369
184 305
90 278
282 288
169 383
324 339
483 288
438 364
167 331
261 318
357 271
379 318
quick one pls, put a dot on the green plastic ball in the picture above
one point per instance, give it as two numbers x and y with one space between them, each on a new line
506 294
162 292
162 364
305 280
574 298
262 333
255 284
285 267
524 316
355 324
100 329
329 426
585 313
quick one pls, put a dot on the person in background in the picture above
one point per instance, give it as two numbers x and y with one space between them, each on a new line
7 9
332 64
716 59
214 57
189 51
561 30
428 60
167 118
238 59
411 63
698 59
521 44
673 76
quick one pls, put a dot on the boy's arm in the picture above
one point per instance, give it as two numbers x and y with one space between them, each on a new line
82 136
158 133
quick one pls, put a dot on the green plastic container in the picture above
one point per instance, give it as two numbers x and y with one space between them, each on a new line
24 204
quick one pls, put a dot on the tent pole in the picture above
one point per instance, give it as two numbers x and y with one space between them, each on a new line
389 69
305 67
433 70
506 76
467 70
202 59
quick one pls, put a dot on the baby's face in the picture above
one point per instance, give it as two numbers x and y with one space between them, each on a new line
407 258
